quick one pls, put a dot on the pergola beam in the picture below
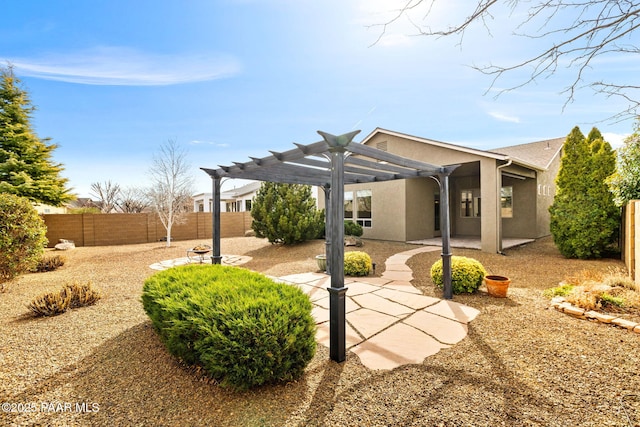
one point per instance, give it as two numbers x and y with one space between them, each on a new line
346 162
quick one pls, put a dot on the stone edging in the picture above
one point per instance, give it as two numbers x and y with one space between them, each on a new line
560 304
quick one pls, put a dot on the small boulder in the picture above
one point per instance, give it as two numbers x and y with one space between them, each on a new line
65 245
352 241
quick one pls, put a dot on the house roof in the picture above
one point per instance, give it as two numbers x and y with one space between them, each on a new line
311 164
540 153
534 155
249 188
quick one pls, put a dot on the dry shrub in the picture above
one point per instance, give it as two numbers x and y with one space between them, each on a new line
70 296
611 291
50 263
585 276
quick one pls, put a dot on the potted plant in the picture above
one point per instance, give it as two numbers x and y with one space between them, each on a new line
322 262
497 286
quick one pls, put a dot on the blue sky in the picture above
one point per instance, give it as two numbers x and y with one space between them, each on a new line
113 80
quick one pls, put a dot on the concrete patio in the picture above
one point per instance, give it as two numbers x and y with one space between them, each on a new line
469 242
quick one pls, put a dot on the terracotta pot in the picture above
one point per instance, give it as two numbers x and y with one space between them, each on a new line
497 286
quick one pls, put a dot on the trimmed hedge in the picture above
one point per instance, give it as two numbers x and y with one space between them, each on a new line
243 328
467 274
357 263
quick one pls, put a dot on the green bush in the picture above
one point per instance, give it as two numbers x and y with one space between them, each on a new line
466 274
22 236
352 229
357 263
286 214
243 328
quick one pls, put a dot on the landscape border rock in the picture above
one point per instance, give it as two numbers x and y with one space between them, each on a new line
560 304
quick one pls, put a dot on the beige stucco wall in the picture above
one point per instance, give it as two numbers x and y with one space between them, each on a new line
420 211
523 222
546 191
388 201
463 226
423 152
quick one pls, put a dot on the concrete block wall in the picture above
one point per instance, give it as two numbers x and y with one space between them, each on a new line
126 229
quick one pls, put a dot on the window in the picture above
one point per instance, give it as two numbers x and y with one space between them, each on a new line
363 198
470 203
506 202
247 205
348 205
362 203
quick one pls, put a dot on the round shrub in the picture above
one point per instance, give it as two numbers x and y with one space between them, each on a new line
466 274
22 236
353 229
357 263
243 328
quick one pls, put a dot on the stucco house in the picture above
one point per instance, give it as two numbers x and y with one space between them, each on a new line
235 200
495 194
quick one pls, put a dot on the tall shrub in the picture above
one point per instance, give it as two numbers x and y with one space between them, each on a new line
286 213
22 236
584 218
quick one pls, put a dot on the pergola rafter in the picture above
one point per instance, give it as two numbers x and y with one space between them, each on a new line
331 164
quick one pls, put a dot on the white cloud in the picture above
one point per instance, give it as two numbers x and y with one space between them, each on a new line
615 139
123 66
216 144
504 117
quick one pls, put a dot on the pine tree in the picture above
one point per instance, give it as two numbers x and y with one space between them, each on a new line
26 168
584 219
286 213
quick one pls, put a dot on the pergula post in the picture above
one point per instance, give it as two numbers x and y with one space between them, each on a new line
337 291
327 221
445 230
216 258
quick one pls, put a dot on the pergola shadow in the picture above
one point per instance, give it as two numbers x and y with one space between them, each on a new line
331 164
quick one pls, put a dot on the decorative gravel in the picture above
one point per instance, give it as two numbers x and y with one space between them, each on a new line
522 363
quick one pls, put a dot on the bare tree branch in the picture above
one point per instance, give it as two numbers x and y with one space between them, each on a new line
578 33
172 185
108 193
133 200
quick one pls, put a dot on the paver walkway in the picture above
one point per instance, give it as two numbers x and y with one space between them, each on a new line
389 322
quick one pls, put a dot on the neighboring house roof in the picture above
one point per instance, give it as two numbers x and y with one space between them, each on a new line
252 187
539 154
233 194
534 155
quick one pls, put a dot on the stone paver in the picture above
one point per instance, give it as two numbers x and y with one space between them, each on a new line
399 345
389 322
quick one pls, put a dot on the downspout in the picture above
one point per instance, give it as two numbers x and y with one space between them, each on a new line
499 205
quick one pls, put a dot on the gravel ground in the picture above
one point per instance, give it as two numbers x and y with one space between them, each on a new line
522 364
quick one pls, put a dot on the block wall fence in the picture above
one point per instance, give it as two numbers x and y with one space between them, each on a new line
126 229
631 250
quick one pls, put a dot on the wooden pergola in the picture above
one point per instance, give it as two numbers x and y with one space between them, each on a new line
332 163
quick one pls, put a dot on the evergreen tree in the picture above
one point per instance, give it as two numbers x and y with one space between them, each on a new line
286 213
584 219
26 168
624 183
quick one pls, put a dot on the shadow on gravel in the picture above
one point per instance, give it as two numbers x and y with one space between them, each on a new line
132 380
